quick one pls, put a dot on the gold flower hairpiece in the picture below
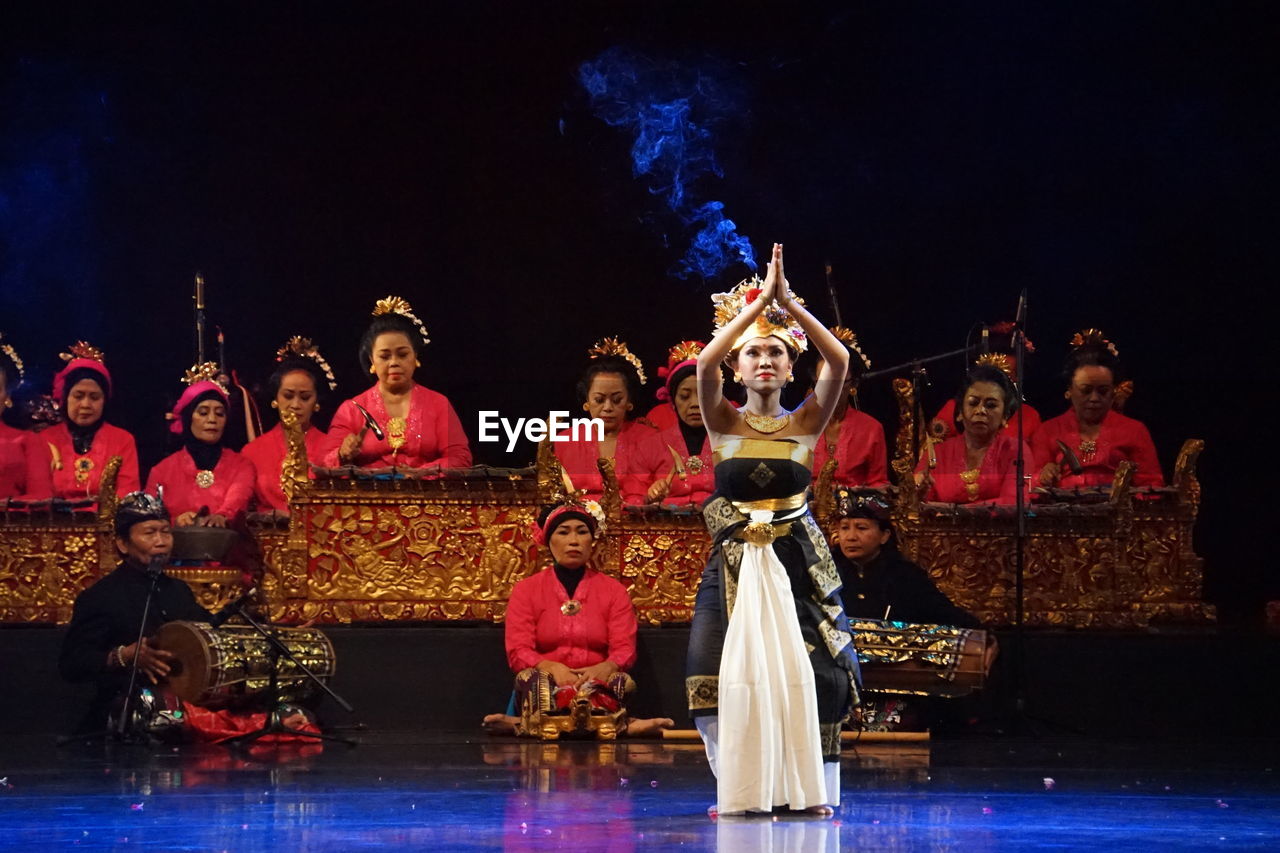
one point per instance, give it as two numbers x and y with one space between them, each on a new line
207 372
999 361
82 349
1093 338
615 347
849 339
303 348
401 306
8 350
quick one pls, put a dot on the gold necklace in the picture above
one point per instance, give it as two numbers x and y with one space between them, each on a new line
766 423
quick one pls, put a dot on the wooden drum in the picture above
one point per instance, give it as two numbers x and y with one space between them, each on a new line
922 660
230 666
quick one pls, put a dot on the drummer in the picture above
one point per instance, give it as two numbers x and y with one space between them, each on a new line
880 583
102 639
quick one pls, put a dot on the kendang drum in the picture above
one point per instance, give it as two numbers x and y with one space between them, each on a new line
921 660
230 666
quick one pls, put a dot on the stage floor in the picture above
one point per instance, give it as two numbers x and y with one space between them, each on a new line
469 792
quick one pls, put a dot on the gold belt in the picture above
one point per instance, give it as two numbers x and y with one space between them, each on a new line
762 533
771 504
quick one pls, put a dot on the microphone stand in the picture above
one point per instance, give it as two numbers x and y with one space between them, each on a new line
919 381
275 723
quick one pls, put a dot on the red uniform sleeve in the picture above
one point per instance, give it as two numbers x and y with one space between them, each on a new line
346 421
877 462
128 480
1043 450
622 628
1009 487
1144 456
451 438
521 627
644 464
39 484
236 500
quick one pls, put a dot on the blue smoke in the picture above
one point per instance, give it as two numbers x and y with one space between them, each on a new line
673 112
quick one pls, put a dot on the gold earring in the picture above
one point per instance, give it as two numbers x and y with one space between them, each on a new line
274 404
417 363
371 370
317 408
737 377
8 404
1066 395
790 376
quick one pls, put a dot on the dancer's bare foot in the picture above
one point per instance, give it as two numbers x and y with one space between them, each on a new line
820 811
649 728
500 724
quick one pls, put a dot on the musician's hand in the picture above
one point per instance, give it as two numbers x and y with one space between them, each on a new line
214 521
1050 474
350 448
185 520
560 674
152 662
659 490
601 672
924 481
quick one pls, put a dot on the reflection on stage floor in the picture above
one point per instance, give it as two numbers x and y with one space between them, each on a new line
464 792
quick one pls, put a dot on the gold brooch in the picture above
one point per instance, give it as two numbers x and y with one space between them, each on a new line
694 464
83 466
765 423
1088 447
204 479
571 607
395 432
759 533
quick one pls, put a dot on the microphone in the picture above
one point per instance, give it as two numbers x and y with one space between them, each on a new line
985 346
1020 318
233 608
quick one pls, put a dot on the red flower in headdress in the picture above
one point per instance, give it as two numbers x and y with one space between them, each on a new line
753 294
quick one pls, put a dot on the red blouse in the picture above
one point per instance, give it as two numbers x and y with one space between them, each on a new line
76 476
537 629
227 496
1030 421
24 465
266 452
662 416
433 433
700 476
995 481
1119 438
637 458
860 450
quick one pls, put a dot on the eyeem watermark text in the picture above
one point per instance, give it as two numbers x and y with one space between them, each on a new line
557 426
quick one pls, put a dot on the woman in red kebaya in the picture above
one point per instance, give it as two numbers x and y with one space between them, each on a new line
977 466
688 474
419 427
81 445
300 377
204 483
943 425
570 628
1097 435
608 388
24 459
854 438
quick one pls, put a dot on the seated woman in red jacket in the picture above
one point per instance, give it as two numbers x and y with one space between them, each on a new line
943 425
977 466
81 445
608 390
204 483
1098 436
570 633
24 459
300 378
687 474
419 427
854 438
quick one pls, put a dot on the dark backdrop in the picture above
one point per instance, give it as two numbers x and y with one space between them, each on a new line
1115 159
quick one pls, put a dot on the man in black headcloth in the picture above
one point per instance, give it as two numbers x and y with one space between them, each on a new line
880 583
102 639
